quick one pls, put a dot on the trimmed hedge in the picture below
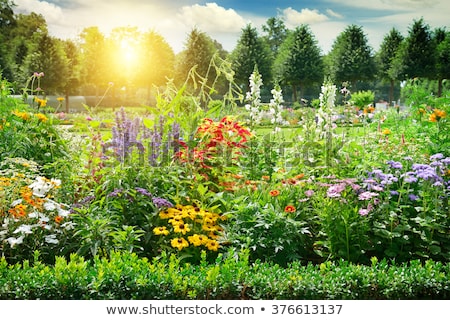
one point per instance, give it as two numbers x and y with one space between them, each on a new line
126 276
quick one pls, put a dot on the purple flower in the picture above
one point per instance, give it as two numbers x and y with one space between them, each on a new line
437 156
115 193
335 190
394 193
395 164
161 202
413 197
410 177
143 191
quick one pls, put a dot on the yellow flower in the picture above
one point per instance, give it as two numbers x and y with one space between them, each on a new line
179 243
41 102
60 99
386 131
23 115
198 239
41 117
212 245
181 228
161 231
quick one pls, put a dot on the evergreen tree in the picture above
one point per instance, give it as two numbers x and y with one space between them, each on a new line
7 24
351 58
299 62
418 53
198 52
386 59
251 50
442 39
49 57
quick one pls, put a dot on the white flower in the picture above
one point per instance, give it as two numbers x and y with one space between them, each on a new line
33 214
24 228
49 205
14 241
16 202
51 239
40 187
68 225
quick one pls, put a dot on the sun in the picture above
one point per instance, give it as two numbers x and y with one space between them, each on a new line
128 51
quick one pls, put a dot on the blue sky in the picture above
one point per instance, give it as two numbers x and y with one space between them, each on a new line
223 20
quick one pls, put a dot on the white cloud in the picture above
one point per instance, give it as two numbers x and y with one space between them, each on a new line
211 18
305 16
50 11
334 14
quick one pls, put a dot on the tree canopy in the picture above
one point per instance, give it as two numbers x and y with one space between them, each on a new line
299 61
351 58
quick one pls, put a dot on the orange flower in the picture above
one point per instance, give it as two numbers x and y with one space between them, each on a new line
437 115
274 193
18 211
58 219
289 208
266 178
300 176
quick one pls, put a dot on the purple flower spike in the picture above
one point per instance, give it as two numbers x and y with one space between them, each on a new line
161 203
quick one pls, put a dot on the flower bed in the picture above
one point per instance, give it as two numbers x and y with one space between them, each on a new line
179 180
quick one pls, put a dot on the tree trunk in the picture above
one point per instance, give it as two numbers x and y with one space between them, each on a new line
439 93
67 102
391 92
294 92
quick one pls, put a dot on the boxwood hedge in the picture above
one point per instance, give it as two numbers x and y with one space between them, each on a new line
231 276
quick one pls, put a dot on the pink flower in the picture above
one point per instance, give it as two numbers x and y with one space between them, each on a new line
88 118
363 212
309 193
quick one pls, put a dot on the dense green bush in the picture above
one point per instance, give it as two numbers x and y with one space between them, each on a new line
126 276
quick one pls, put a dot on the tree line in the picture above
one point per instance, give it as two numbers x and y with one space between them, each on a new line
135 60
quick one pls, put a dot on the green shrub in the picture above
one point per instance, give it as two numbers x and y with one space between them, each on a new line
126 276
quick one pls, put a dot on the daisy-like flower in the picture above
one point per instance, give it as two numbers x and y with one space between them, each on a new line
181 228
179 243
212 245
274 193
289 208
161 231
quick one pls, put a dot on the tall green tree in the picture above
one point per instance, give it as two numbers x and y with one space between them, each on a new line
418 53
442 39
351 58
72 83
93 59
156 61
275 33
198 53
251 50
7 24
385 58
299 61
25 39
49 57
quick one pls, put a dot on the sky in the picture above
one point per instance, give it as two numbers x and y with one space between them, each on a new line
224 20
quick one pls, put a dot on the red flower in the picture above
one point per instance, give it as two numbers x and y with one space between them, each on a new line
289 208
274 193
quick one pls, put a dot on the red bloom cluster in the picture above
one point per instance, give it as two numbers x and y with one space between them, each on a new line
217 144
